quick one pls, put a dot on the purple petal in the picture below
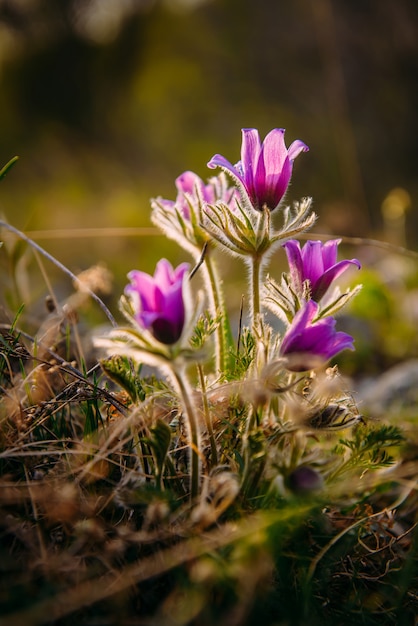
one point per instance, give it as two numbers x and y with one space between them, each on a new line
329 252
164 274
173 304
342 341
273 170
313 264
188 181
308 343
294 258
250 153
181 270
144 287
147 318
283 182
219 161
274 152
296 148
191 184
314 339
323 283
167 204
303 317
187 184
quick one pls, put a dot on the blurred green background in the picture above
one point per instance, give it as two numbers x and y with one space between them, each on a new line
107 101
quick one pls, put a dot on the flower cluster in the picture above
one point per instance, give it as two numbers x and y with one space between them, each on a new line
311 338
236 217
211 462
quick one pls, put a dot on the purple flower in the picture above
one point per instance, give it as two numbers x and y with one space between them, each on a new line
308 343
316 262
158 300
265 168
191 188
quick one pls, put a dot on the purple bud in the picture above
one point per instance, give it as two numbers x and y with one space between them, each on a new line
304 479
158 300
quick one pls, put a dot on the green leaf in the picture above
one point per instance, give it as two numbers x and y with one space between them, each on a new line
93 418
368 449
159 441
229 345
121 370
245 355
205 327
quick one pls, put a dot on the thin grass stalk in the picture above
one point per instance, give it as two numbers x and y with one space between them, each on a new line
62 267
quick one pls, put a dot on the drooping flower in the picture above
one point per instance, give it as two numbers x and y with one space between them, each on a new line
317 263
191 190
265 168
309 342
158 300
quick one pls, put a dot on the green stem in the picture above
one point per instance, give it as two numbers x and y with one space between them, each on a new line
186 394
214 286
208 419
255 286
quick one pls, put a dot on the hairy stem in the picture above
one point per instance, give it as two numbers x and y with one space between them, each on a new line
255 277
219 309
186 395
208 419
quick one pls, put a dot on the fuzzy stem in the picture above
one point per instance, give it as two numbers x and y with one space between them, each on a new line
255 277
186 394
208 419
219 309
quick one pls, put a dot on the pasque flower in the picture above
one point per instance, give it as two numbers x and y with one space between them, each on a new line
265 168
192 190
183 220
317 263
309 342
158 300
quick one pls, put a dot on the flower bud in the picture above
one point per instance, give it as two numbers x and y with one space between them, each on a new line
158 301
304 479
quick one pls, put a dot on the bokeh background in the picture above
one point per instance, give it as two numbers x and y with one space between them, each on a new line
106 102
